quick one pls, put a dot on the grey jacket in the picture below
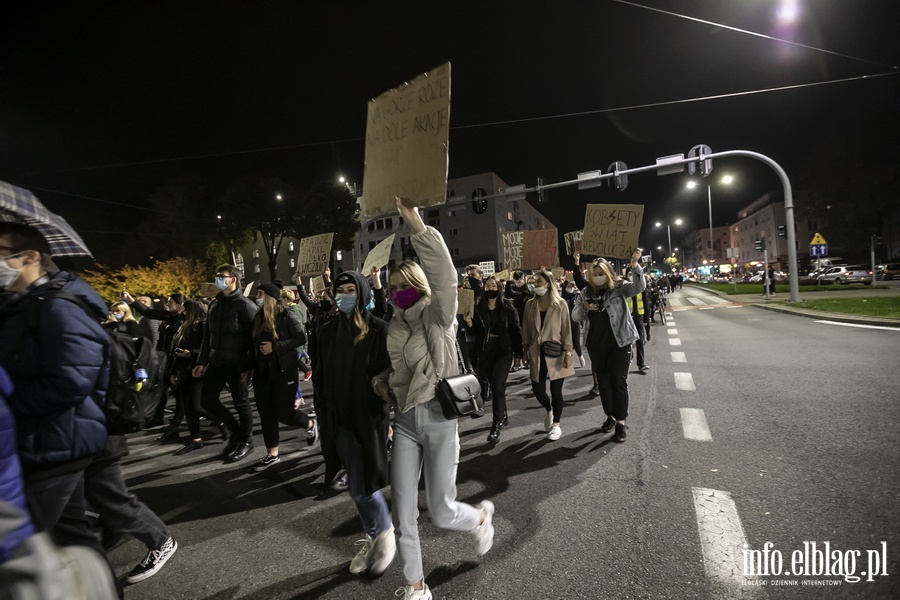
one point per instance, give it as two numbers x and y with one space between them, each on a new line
615 304
427 329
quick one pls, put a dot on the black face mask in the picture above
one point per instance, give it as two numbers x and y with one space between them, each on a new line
491 294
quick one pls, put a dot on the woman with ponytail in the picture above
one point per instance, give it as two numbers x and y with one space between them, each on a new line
277 333
348 348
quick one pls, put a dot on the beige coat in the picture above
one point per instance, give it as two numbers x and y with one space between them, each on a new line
557 328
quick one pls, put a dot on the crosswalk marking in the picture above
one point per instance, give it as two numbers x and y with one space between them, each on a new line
693 423
684 382
697 301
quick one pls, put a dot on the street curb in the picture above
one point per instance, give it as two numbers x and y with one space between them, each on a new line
829 316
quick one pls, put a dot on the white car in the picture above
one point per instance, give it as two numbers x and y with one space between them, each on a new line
846 274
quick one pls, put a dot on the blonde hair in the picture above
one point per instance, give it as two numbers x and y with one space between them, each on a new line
265 317
414 275
360 324
129 316
611 276
552 290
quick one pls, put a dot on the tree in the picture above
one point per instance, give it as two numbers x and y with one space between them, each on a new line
181 275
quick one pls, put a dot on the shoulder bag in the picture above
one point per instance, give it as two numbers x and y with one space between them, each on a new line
460 395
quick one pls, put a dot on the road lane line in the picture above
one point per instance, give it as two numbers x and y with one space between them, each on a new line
707 308
674 342
693 422
678 357
685 382
672 331
722 539
860 326
698 301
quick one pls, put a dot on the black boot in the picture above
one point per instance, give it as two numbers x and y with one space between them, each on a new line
504 421
494 435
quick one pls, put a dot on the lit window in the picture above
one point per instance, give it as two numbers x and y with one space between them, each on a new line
293 263
256 254
338 255
291 247
509 216
256 268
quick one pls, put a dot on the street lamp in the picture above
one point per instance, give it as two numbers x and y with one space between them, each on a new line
669 231
726 179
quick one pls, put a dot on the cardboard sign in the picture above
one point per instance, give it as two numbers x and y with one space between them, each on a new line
313 256
208 290
317 284
559 273
573 242
466 300
379 256
612 230
530 249
248 288
407 135
502 275
487 267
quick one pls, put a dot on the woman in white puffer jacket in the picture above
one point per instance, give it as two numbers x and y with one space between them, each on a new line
424 326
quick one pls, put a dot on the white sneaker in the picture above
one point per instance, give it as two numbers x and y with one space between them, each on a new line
484 533
362 560
383 552
409 593
555 433
548 421
581 359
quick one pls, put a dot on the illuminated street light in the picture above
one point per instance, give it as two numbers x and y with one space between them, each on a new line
278 197
726 180
669 231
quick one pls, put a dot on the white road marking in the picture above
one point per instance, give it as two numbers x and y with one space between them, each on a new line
678 357
698 301
675 302
717 300
735 306
693 422
860 326
674 342
672 332
707 308
722 539
685 382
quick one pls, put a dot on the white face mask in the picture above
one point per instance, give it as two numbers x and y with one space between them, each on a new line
8 275
540 291
598 280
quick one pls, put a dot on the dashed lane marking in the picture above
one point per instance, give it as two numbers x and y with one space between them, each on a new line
678 357
884 328
722 539
693 422
685 382
672 332
674 342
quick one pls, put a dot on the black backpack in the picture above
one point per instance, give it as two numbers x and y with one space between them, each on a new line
132 369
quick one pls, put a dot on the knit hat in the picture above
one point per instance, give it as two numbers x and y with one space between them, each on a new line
270 289
357 279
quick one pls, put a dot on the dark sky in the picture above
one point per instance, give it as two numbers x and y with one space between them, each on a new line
222 89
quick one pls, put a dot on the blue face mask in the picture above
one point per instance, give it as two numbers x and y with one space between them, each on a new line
220 283
260 301
345 302
530 287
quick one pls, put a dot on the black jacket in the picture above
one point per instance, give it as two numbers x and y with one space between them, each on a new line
507 327
290 337
227 338
168 323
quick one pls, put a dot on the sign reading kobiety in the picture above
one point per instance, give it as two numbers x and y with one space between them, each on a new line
530 249
407 134
312 259
612 230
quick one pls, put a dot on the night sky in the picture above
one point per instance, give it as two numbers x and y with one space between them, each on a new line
110 100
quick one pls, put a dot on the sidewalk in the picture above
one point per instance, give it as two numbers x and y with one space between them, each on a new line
778 304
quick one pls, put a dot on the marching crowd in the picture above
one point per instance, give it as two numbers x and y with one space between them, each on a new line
375 357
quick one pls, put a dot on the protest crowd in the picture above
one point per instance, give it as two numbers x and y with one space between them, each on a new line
388 354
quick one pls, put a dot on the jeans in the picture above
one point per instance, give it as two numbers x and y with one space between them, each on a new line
213 383
576 336
373 509
425 441
611 369
120 510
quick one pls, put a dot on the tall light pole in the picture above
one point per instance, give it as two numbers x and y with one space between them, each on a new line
726 179
669 231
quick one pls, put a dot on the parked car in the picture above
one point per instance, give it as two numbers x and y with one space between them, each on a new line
890 271
847 274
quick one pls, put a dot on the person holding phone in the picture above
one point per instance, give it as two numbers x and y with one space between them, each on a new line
603 307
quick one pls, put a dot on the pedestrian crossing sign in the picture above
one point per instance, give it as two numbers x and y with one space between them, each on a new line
817 239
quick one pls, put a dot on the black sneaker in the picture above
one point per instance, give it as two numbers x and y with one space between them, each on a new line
595 391
620 433
608 425
265 462
153 562
312 434
494 435
189 447
504 421
169 435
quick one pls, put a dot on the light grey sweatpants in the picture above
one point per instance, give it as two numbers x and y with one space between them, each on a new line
424 438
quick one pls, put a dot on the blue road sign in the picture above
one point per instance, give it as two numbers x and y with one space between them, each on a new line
818 249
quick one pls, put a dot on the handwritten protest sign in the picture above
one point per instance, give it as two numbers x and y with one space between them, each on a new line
612 230
317 284
247 289
407 134
312 258
573 242
487 267
380 255
502 275
530 249
466 302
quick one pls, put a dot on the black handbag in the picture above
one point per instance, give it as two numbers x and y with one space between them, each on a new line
552 349
459 395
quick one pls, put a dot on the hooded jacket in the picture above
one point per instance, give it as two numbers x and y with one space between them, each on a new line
424 336
56 373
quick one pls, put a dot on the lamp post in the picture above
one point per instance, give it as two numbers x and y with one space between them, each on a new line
726 179
669 231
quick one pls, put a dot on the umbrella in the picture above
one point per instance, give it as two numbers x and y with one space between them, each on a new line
21 206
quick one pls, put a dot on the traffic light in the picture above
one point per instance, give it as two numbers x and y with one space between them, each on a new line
759 245
479 204
706 165
782 231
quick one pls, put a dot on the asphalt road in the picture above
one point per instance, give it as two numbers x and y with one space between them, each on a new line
802 424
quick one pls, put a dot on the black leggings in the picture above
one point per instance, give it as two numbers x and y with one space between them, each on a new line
494 368
275 403
610 366
555 401
188 396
